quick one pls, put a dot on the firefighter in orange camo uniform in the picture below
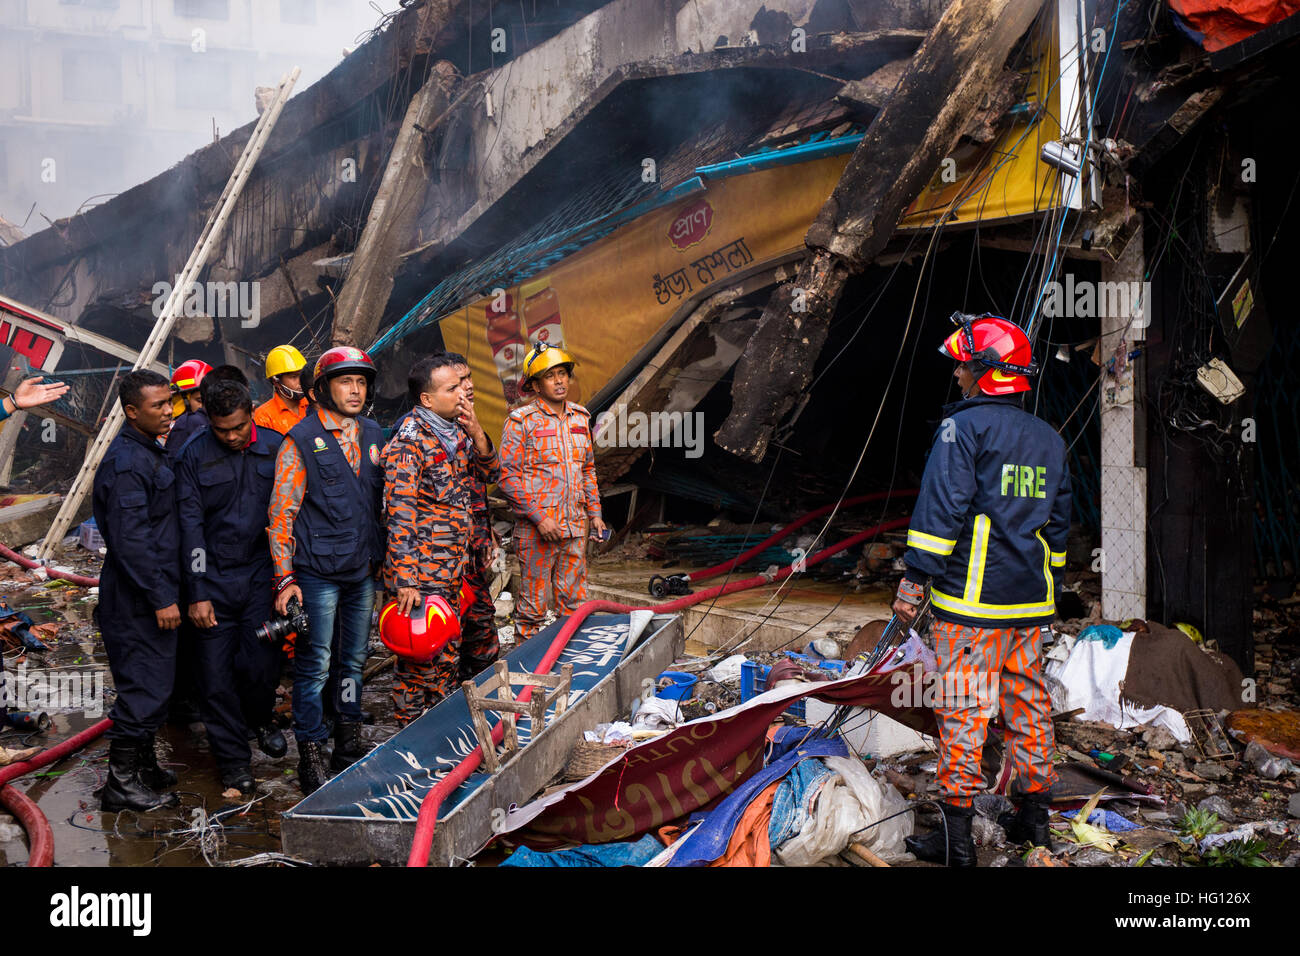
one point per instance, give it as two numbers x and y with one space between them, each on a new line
431 466
548 475
987 537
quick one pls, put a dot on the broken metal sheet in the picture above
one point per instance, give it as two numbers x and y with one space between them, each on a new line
368 813
41 337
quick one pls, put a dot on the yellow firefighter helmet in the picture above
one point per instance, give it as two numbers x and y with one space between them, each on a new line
282 359
542 358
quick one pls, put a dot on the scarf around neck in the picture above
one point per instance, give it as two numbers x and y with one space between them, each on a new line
449 433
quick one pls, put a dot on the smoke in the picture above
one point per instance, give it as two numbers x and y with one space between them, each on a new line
97 98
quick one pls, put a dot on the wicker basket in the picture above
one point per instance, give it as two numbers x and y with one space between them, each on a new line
588 757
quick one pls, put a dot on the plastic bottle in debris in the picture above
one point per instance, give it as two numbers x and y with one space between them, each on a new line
507 344
542 313
1267 765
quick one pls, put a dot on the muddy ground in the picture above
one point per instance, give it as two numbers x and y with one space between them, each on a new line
1179 776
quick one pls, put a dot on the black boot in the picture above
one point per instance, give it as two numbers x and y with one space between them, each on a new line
156 777
348 745
271 741
240 778
953 846
312 772
125 790
1029 824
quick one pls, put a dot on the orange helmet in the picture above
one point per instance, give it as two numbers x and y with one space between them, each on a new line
1001 346
421 635
189 375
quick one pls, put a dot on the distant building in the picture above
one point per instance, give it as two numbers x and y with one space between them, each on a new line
99 95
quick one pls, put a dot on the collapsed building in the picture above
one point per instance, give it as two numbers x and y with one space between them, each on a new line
748 222
638 180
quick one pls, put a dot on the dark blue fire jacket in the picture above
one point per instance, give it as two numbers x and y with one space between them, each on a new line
223 500
135 509
989 529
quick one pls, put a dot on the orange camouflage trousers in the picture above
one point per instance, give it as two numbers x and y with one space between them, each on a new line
543 566
983 667
417 687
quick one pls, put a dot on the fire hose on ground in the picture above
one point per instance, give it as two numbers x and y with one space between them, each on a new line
31 565
39 834
25 810
432 801
661 587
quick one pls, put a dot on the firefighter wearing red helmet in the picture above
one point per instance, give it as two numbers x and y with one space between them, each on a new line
185 384
987 538
326 536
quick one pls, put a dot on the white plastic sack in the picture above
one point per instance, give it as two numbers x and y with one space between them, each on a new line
728 669
1091 678
658 713
846 804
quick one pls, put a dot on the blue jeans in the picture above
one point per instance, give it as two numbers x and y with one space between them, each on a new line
324 600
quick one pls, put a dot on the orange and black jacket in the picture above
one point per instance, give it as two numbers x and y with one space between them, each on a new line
429 508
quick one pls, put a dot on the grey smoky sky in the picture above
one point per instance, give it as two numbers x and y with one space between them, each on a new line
97 96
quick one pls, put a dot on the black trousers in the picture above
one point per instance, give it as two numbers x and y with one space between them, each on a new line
141 658
237 674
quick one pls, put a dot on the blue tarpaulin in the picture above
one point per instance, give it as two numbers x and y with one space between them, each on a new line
709 840
1108 819
602 854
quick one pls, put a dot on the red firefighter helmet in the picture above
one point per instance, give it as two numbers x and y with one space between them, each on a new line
999 345
344 358
189 375
421 635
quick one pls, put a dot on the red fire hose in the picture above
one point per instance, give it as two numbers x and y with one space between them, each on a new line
18 559
25 810
725 566
432 801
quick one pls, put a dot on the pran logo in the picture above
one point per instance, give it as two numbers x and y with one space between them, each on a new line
692 226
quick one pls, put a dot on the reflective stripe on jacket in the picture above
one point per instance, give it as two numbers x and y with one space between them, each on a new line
990 525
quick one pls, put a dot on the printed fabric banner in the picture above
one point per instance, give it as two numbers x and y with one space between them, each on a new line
700 762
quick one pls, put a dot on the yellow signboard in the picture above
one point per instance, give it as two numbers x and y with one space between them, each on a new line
604 302
1005 179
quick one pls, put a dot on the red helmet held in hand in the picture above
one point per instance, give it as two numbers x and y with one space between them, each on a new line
1001 346
421 635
